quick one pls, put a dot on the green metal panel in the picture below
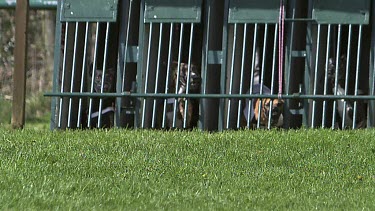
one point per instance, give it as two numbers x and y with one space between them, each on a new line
180 11
341 11
254 11
89 10
34 4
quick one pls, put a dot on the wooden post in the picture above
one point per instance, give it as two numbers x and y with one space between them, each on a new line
20 55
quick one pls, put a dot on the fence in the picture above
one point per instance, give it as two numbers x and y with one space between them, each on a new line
215 65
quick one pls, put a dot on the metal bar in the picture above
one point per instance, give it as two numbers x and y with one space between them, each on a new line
242 73
147 74
93 73
168 73
178 73
315 76
231 74
126 46
83 73
103 74
263 69
20 57
56 67
253 60
204 68
63 72
157 74
273 72
232 96
347 75
188 74
357 75
326 75
73 73
336 75
223 68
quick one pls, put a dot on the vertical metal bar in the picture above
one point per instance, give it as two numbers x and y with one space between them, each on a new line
56 67
202 124
252 74
223 69
326 75
63 72
315 77
231 74
263 69
336 75
93 73
178 74
83 74
357 75
147 74
168 74
157 74
242 73
125 17
273 72
73 74
126 46
188 74
103 74
347 76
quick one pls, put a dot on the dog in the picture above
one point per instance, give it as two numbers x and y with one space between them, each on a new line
263 109
194 85
108 110
345 106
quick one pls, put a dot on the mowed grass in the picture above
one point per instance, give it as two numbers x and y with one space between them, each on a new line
156 170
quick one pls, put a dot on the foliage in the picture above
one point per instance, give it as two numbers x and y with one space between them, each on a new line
148 170
5 111
40 50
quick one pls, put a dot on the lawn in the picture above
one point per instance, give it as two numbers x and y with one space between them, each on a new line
148 170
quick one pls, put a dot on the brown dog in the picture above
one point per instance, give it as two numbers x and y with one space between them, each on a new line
181 83
264 109
275 110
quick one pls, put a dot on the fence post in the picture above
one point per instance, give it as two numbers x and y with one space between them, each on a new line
20 55
371 103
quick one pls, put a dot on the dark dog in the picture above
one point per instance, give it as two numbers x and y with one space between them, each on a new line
181 82
107 108
264 109
345 108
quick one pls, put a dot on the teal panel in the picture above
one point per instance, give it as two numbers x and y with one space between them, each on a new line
34 4
89 10
177 11
254 11
341 11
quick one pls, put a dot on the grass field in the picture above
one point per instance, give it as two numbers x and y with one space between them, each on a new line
148 170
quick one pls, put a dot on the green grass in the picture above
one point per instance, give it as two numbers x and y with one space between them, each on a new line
148 170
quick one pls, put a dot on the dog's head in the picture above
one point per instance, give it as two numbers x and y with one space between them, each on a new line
340 73
275 107
109 79
194 83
